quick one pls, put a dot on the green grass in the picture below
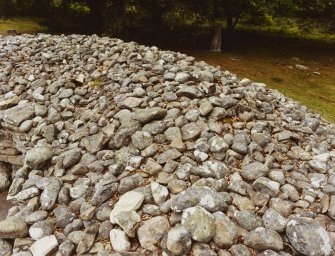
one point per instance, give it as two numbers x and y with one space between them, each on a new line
21 25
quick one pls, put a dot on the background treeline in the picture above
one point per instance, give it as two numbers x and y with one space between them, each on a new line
183 21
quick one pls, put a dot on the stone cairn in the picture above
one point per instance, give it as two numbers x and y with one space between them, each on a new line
114 148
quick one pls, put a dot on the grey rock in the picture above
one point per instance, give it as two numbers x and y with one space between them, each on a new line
225 232
308 237
151 209
178 241
269 253
291 192
119 240
217 144
254 171
94 143
66 248
5 248
202 249
200 223
71 158
64 215
26 125
131 102
105 229
141 140
240 250
159 193
18 114
248 220
36 216
177 186
130 201
50 193
318 166
103 212
170 154
281 206
41 229
104 190
240 144
152 167
331 210
205 107
284 135
265 185
274 220
44 246
130 183
190 131
37 157
147 115
218 114
24 194
264 239
76 236
189 92
79 169
13 228
129 221
4 180
88 239
152 231
182 77
155 127
202 196
214 169
260 138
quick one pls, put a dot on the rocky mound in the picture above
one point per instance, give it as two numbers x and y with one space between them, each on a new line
113 148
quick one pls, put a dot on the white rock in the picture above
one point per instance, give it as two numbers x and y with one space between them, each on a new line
159 193
322 157
119 240
130 201
44 246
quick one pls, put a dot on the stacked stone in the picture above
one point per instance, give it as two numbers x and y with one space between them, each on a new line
129 150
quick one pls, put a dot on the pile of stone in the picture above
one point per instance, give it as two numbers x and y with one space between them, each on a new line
114 148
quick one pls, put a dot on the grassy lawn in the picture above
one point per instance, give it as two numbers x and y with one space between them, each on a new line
21 25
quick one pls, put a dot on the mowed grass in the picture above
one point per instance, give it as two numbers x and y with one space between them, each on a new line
21 25
274 63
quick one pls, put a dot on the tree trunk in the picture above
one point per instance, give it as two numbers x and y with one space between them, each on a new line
217 39
231 23
96 16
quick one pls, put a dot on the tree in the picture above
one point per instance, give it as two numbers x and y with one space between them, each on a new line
214 12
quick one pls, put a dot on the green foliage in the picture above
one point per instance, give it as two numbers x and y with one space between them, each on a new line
136 19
